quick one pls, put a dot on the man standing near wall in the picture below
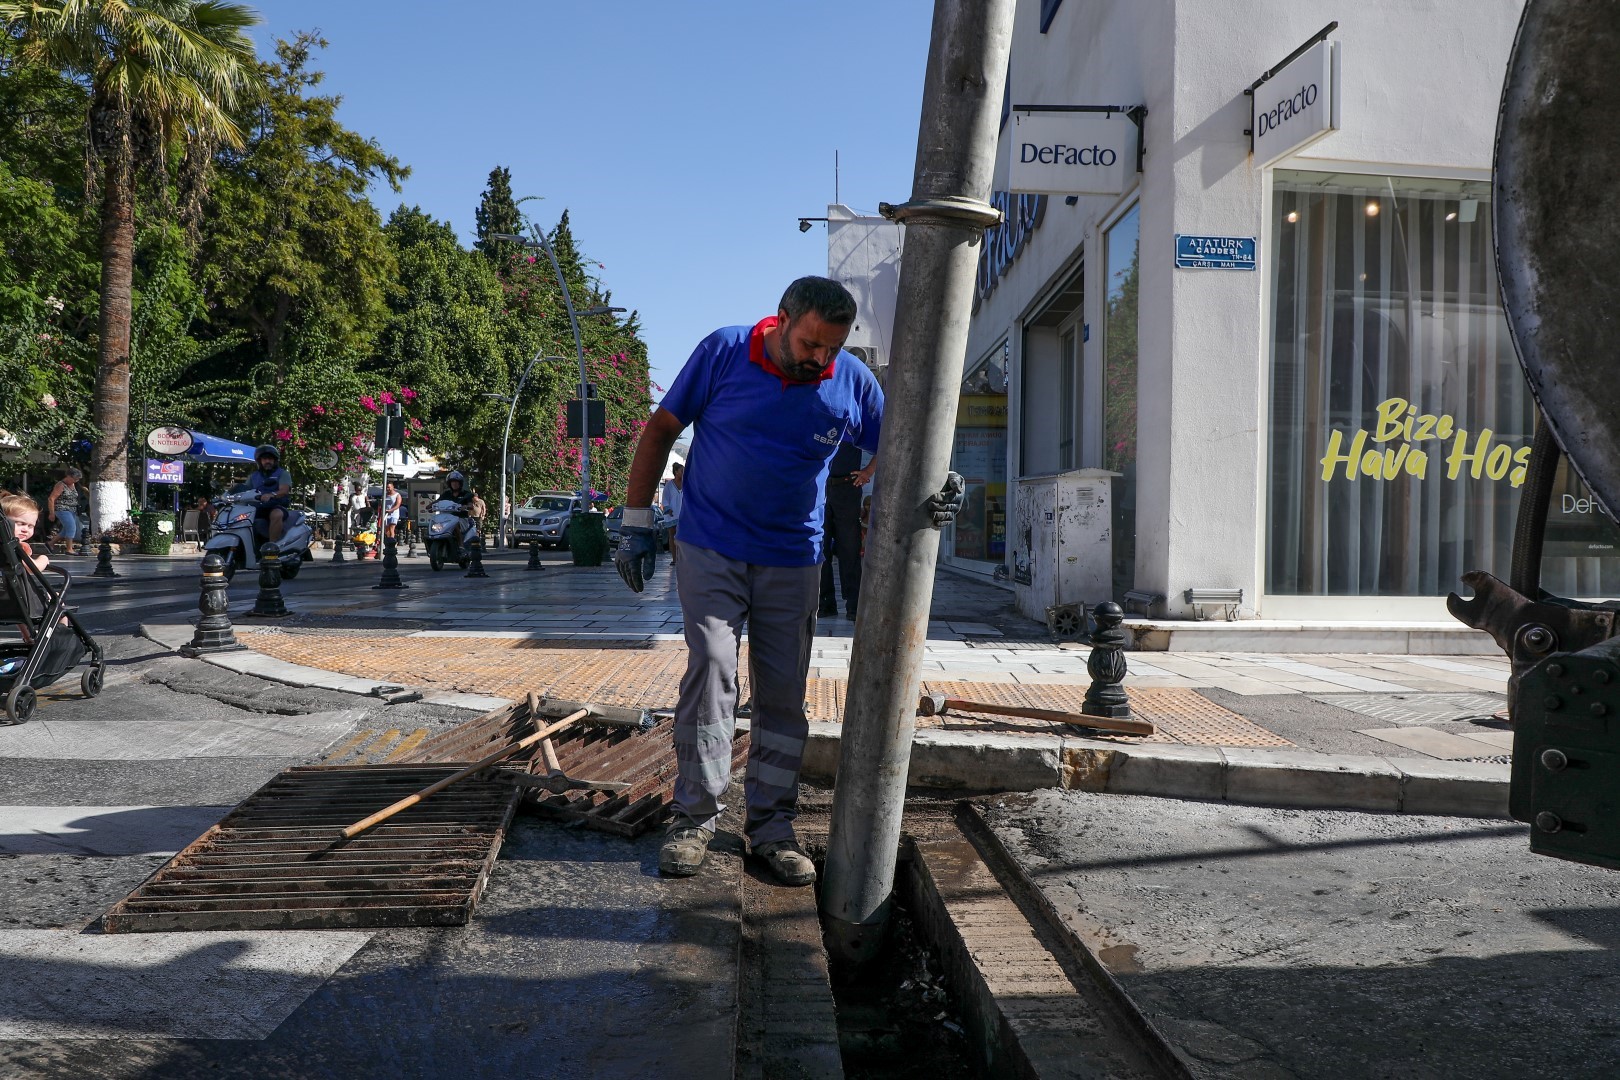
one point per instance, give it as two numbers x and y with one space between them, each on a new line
775 400
841 533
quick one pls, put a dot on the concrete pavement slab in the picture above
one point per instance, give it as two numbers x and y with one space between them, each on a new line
161 739
1435 744
103 830
226 985
1334 945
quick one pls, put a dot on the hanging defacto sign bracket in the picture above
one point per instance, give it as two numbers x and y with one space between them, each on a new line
1137 114
1271 73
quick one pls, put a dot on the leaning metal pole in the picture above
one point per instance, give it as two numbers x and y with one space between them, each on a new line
945 222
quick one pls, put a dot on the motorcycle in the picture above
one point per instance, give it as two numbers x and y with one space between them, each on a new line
239 535
449 531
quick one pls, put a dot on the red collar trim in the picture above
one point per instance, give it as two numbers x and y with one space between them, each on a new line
757 353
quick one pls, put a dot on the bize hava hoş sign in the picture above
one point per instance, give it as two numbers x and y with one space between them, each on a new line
165 472
168 440
1405 442
1298 105
1215 252
1071 153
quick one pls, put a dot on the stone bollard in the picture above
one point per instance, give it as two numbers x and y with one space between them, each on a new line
214 632
390 571
534 556
104 567
410 545
337 549
269 604
477 548
1105 696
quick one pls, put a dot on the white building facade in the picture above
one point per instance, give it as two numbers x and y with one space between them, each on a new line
1336 428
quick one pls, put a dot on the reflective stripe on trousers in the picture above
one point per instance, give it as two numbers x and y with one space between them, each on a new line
778 605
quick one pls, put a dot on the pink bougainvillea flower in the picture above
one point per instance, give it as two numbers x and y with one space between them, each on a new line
387 398
282 435
407 393
299 444
368 402
319 410
337 446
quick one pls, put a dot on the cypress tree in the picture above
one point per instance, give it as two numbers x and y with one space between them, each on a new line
498 213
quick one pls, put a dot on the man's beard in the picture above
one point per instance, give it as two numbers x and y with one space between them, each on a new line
802 371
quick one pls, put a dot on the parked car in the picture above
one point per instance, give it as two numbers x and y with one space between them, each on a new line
545 517
615 520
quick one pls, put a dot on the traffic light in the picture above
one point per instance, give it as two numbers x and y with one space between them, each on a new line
391 428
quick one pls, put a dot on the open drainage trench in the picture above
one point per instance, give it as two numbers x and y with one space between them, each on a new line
898 1017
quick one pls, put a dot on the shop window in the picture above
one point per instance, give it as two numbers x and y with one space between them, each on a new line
1400 423
1120 389
979 454
1050 387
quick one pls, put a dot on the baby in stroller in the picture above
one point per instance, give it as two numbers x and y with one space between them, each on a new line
53 641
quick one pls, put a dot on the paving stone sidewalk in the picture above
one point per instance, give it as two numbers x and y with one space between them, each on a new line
578 634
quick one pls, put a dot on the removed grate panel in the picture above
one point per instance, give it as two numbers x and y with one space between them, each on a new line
275 863
643 759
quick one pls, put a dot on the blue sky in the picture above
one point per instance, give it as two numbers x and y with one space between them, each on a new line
685 139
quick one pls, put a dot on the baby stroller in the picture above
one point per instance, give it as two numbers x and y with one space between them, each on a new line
51 649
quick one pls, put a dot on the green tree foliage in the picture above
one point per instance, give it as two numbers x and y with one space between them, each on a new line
291 241
163 77
443 338
498 213
291 313
615 363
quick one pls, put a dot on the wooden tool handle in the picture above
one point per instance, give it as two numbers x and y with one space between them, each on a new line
1101 723
439 785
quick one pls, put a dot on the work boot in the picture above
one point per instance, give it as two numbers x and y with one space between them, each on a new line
787 861
685 847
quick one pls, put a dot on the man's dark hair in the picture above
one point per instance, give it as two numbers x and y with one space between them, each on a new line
824 296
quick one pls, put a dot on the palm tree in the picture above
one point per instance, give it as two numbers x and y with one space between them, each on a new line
164 76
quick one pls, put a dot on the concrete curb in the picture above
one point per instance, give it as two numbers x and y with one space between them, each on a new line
974 761
249 662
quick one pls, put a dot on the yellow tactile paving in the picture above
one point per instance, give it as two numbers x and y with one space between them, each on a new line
649 676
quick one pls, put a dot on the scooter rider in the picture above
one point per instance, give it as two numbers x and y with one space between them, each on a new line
274 486
456 490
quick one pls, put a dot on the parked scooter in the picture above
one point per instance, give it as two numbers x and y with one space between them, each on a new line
238 535
449 531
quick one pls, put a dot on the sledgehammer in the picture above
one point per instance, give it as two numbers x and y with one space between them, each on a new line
940 705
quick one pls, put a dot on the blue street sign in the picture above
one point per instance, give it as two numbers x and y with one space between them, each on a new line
1215 252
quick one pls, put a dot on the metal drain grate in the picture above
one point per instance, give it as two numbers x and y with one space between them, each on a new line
274 862
645 760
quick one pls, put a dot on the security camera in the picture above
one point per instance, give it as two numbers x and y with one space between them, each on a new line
804 224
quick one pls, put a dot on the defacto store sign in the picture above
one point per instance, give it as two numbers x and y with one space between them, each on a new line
1071 153
1298 105
168 440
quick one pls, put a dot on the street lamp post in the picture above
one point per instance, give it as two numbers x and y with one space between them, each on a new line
506 440
539 240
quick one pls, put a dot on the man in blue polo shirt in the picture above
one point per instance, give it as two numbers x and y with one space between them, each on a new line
772 402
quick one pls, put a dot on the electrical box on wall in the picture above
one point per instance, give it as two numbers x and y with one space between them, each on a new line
1062 540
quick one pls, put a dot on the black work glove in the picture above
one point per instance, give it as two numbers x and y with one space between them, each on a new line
945 503
635 545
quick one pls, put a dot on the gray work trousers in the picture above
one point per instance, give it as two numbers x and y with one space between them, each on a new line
778 604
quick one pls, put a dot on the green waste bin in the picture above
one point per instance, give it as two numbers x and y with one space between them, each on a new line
587 537
157 531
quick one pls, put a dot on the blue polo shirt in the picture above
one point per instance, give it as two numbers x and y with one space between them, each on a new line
757 472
